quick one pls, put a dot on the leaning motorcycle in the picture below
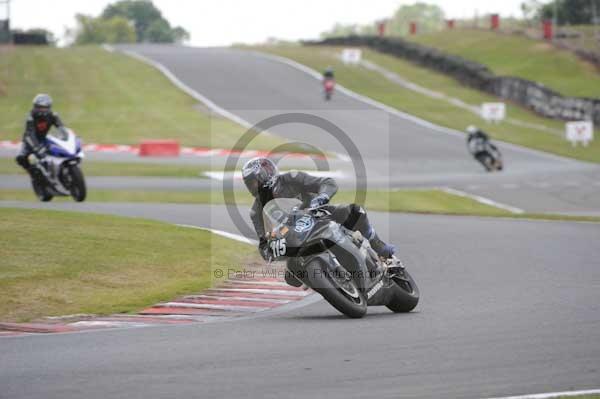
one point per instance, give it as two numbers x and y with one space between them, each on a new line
58 173
336 262
328 86
488 155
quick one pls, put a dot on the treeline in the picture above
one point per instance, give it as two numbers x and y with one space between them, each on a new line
430 17
128 21
572 12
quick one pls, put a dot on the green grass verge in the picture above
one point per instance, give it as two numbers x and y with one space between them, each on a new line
102 264
407 201
375 86
101 168
579 397
107 98
512 55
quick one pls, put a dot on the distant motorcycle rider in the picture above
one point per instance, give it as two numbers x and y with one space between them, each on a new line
264 182
39 121
478 142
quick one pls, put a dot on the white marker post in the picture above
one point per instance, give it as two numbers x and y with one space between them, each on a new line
351 56
581 131
493 112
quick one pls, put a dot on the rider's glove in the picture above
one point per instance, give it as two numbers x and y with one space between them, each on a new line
319 200
40 152
263 249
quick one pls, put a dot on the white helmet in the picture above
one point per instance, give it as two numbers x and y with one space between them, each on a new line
472 129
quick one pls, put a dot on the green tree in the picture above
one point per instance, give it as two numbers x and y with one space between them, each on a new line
150 25
571 12
142 12
181 35
159 31
531 9
98 30
429 18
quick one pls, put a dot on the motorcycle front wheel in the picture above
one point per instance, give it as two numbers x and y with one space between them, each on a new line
342 293
406 293
77 184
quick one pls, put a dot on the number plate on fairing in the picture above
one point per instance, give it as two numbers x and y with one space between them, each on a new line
278 247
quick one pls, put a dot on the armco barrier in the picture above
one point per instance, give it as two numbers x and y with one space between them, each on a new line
169 148
532 95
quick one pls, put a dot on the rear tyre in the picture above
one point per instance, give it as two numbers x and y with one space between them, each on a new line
406 293
77 186
341 293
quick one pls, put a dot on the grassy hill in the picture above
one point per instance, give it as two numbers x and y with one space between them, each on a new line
110 265
519 56
106 98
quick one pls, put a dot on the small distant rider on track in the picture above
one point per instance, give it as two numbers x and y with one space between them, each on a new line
328 82
480 146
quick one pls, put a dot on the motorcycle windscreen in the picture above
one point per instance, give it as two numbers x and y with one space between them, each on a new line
277 211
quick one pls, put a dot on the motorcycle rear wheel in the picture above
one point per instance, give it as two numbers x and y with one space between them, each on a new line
39 188
406 293
342 295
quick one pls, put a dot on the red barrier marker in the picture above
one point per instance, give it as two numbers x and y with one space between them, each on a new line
413 28
161 148
495 21
548 29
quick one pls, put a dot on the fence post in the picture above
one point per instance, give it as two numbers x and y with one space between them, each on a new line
548 29
381 28
413 28
495 21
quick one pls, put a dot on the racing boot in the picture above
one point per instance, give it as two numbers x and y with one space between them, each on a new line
382 249
292 280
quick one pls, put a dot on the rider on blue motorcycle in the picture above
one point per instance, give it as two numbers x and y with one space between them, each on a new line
264 182
39 121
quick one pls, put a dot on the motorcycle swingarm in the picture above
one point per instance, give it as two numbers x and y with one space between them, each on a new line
381 293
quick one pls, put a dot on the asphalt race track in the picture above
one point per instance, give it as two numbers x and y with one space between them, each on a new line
508 306
491 322
396 150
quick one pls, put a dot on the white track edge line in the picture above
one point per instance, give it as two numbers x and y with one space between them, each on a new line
182 86
232 236
197 96
552 394
483 200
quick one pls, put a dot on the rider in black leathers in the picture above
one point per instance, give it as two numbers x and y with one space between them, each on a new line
265 183
478 143
38 123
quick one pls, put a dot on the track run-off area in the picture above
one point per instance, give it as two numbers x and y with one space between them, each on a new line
508 307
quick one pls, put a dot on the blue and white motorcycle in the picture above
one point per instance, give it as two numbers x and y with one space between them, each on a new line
58 173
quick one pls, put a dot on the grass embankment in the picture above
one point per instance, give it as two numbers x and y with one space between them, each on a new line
511 55
97 264
441 112
107 98
407 201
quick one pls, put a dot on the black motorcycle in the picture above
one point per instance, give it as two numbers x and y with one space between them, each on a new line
488 155
336 262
